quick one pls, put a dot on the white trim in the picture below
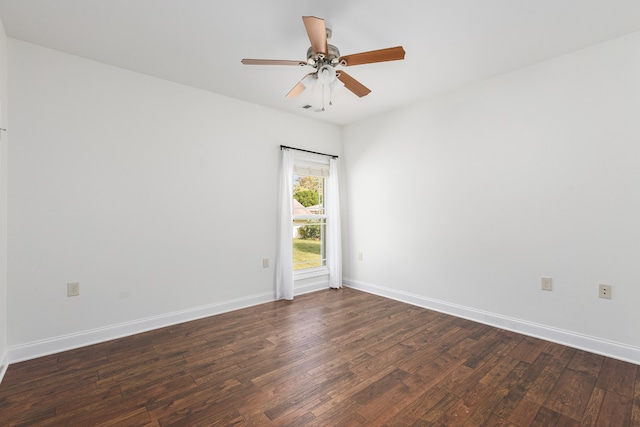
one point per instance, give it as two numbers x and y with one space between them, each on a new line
600 346
4 364
58 344
308 273
306 288
310 217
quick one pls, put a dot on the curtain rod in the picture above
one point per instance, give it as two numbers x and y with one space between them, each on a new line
308 151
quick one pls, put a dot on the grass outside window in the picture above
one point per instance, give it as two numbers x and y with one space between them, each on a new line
306 254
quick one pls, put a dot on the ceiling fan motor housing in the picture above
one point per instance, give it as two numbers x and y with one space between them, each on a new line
317 60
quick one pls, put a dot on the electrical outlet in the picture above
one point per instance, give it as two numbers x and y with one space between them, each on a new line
265 262
604 291
73 289
545 283
360 256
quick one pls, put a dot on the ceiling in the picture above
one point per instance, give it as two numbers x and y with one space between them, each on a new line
448 43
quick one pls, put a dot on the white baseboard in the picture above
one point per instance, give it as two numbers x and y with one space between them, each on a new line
80 339
4 364
572 339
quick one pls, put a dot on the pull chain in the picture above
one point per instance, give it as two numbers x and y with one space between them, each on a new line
322 97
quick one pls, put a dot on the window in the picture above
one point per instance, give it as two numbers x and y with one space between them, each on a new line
309 212
309 216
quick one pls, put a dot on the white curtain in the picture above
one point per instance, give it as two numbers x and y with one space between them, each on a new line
334 241
284 264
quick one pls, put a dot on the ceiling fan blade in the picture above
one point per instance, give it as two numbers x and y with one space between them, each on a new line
271 62
300 87
317 34
353 85
296 91
381 55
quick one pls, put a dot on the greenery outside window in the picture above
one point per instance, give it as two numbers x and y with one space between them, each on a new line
309 218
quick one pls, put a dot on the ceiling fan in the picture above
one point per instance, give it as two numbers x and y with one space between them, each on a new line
324 58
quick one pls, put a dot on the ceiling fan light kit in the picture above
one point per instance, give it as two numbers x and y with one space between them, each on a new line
326 74
325 57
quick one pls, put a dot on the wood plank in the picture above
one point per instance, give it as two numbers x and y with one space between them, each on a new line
418 407
484 410
337 413
545 417
528 349
486 349
386 405
586 363
346 389
518 391
635 410
496 421
524 413
379 387
543 385
615 410
499 371
93 411
200 403
591 412
438 409
571 394
502 384
618 376
462 410
302 392
434 373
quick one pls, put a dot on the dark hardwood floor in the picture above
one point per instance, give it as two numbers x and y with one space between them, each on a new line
330 358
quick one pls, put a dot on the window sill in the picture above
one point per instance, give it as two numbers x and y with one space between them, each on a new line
310 272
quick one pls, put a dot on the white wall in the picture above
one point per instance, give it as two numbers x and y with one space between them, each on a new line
4 139
158 198
464 201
